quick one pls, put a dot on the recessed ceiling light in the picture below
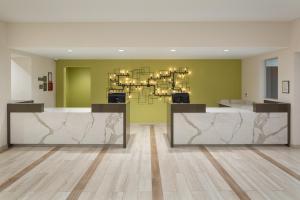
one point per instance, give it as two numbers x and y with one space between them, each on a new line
173 50
121 50
226 50
70 50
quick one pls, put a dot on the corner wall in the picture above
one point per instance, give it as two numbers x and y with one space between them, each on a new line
4 82
295 36
253 75
39 66
21 86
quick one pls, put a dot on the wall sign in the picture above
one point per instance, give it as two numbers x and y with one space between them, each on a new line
46 82
43 84
286 87
50 82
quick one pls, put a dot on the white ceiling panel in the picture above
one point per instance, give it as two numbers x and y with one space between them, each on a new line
149 53
148 10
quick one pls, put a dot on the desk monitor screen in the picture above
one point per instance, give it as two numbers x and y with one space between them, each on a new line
116 97
180 98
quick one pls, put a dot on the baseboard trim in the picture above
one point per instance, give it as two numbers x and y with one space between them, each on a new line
297 146
3 148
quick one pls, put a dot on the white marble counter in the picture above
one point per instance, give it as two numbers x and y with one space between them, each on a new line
67 126
73 110
236 103
225 110
230 126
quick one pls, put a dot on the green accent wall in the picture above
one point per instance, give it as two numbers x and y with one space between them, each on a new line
210 81
78 87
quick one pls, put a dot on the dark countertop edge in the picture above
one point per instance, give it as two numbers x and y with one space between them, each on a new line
30 106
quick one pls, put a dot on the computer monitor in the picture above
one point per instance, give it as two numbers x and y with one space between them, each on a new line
181 98
116 97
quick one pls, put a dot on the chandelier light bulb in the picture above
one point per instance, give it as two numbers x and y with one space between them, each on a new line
164 83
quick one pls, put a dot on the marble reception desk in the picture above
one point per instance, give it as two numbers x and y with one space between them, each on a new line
226 125
101 124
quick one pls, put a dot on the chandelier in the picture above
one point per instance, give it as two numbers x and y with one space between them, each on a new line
162 84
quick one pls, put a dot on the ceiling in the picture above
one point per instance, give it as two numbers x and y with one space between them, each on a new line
149 53
148 10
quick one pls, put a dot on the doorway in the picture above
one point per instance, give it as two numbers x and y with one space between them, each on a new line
78 87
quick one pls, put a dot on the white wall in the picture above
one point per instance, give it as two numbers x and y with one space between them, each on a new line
37 66
295 46
4 82
150 34
295 36
296 104
40 67
21 86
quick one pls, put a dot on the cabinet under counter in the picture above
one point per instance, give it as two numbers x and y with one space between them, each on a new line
227 125
107 125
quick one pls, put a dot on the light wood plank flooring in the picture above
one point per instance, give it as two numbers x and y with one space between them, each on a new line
128 174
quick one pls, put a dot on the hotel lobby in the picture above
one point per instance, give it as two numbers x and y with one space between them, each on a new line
151 100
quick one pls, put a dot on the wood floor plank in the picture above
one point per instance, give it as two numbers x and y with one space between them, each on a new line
231 182
184 172
78 189
288 156
27 169
276 163
57 175
188 174
256 175
18 158
157 192
125 172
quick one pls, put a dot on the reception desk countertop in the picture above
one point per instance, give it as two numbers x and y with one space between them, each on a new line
73 110
226 110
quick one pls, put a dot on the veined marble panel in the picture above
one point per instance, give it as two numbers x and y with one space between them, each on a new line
230 128
67 128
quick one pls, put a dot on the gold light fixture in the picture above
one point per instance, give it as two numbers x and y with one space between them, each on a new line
163 83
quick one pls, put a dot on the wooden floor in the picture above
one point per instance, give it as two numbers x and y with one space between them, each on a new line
149 169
